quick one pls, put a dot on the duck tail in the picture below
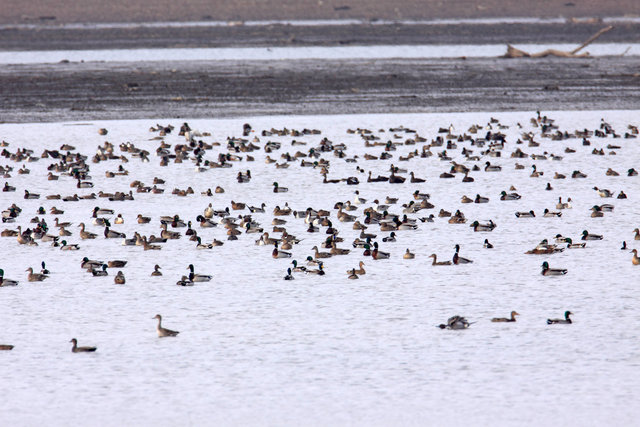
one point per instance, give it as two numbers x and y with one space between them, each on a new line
550 322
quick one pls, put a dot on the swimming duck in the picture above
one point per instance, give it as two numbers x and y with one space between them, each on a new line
6 347
483 227
480 199
546 271
466 199
435 260
455 322
578 174
318 272
529 214
566 319
587 236
457 259
35 277
116 263
164 332
549 214
110 234
198 277
98 273
408 255
621 195
6 282
506 319
119 279
66 247
635 260
76 349
156 271
571 245
86 234
492 168
358 200
281 254
377 254
603 192
97 211
278 189
289 276
487 245
119 219
510 196
360 271
143 219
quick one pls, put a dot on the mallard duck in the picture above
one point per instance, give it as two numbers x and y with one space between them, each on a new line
6 347
492 168
156 271
198 277
571 245
587 236
116 263
98 211
352 275
506 319
76 349
319 255
6 282
35 277
546 271
549 214
378 254
319 271
529 214
119 279
185 281
509 196
635 260
480 199
435 260
99 273
457 259
143 219
68 247
86 234
360 271
110 234
637 234
566 319
164 332
483 227
408 255
289 276
278 189
455 322
487 245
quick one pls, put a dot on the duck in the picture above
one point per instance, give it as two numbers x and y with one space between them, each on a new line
360 271
35 277
492 168
564 321
110 234
76 349
185 281
164 332
200 245
119 279
69 247
587 236
90 264
98 211
509 196
84 235
414 179
529 214
506 319
483 227
280 254
352 275
435 260
289 276
378 254
603 192
408 255
116 263
99 273
571 245
143 219
198 277
487 245
319 271
480 199
457 259
298 268
6 282
455 322
278 189
637 234
548 214
156 271
546 271
6 347
635 260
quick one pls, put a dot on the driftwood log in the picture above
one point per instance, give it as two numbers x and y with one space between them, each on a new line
513 52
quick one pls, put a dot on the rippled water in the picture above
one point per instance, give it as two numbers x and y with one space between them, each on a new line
255 349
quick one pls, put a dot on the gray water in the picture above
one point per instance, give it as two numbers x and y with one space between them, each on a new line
255 349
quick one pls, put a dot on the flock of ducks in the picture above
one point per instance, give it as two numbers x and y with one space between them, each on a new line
392 217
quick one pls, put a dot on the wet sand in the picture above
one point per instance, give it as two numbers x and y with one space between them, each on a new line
213 89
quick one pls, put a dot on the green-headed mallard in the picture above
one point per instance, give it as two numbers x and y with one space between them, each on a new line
546 271
566 319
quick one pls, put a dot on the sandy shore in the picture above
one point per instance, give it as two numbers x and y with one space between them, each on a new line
61 11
